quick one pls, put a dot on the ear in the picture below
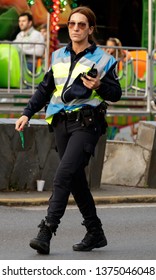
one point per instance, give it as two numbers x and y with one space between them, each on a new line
91 29
30 23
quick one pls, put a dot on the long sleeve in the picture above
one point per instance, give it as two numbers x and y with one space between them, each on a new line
110 89
30 38
42 95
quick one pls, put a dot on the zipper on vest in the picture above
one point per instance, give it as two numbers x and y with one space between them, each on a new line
70 73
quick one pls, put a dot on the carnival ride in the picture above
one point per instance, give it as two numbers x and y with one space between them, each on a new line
13 69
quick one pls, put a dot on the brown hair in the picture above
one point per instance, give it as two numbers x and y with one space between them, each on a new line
117 43
43 26
28 15
89 15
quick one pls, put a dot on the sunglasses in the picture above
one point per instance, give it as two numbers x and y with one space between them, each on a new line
81 24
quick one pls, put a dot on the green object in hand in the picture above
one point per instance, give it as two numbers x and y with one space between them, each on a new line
22 138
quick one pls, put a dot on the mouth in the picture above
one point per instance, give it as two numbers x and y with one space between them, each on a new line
75 35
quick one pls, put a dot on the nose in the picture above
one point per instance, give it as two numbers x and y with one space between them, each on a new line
76 26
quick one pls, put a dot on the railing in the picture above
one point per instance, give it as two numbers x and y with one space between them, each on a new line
17 83
133 77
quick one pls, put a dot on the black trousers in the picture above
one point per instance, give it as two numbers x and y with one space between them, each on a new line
75 144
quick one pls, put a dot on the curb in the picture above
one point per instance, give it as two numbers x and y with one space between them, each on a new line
98 200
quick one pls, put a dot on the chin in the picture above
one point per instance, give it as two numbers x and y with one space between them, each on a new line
76 39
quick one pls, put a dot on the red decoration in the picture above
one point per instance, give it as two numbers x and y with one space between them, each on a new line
54 27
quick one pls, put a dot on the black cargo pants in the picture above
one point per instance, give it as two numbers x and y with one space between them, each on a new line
75 143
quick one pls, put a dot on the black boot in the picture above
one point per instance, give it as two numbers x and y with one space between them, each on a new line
42 242
94 238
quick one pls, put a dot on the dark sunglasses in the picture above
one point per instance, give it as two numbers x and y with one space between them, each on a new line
81 24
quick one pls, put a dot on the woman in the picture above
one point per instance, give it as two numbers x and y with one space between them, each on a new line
115 48
81 77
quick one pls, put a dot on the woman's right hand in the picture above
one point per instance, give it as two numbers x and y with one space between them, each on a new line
21 122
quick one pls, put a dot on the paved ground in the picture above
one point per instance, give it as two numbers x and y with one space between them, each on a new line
105 195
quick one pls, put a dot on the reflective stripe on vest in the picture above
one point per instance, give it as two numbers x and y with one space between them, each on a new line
61 62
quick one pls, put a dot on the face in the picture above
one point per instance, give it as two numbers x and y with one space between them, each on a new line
44 32
110 50
78 28
24 23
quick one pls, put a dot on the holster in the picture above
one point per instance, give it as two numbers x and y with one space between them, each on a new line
87 116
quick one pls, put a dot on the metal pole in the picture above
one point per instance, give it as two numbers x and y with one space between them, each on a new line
47 43
149 62
150 25
155 24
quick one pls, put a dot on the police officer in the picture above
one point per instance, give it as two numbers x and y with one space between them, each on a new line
81 78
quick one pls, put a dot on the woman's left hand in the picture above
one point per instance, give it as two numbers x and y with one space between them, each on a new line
90 82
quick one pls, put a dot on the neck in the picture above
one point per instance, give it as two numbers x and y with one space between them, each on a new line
78 47
25 31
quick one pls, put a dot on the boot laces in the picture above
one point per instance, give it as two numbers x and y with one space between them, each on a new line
88 237
92 235
44 232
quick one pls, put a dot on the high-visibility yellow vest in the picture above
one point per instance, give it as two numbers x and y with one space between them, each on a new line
61 62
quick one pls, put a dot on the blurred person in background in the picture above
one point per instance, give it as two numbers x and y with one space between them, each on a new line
115 48
29 35
43 30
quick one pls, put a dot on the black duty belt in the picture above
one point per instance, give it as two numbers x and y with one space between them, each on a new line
79 114
70 116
